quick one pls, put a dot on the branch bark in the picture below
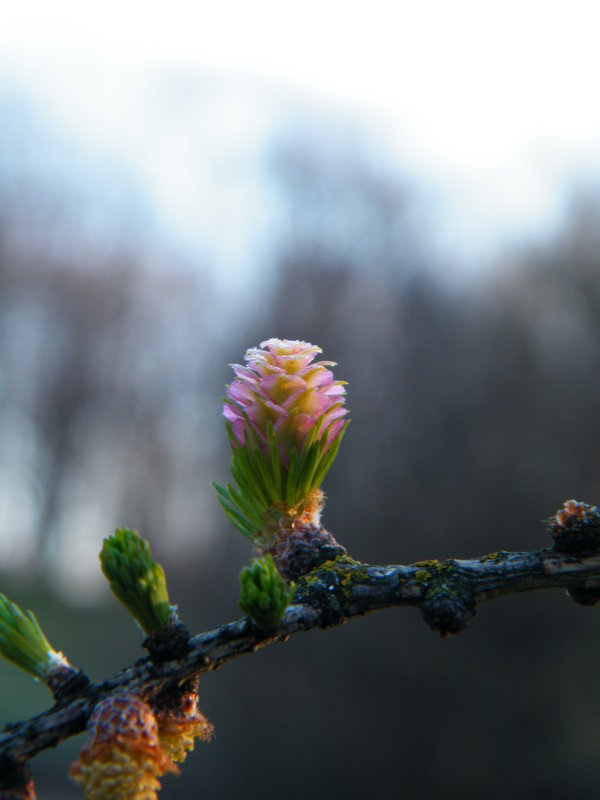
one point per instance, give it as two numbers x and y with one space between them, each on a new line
447 593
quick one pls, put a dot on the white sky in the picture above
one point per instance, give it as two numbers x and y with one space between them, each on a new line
496 102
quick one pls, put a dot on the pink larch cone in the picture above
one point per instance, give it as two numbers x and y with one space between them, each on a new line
282 385
285 413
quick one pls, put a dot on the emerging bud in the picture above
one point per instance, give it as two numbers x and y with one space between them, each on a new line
263 593
137 580
285 420
576 528
122 757
23 642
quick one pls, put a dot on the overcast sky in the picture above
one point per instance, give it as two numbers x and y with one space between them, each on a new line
493 103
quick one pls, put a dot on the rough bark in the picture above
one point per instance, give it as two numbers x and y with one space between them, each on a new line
447 593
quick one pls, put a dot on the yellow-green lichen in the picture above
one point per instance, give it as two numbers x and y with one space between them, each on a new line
500 555
433 563
430 569
330 585
343 571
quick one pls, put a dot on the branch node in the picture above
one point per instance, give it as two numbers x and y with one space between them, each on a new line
64 683
575 528
448 605
169 643
303 549
584 595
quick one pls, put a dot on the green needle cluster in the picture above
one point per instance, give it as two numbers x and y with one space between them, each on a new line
136 579
264 595
22 641
265 479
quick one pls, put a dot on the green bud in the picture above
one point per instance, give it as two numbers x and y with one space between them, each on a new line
263 592
137 580
22 641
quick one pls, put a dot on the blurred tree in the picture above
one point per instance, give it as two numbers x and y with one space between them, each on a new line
103 381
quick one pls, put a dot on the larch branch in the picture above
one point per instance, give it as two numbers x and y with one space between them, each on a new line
447 592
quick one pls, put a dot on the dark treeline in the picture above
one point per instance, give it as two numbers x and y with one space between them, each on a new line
474 415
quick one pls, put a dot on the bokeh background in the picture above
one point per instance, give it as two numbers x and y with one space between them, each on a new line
417 190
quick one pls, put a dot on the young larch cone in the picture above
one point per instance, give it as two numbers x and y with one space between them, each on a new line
281 385
122 757
285 417
179 727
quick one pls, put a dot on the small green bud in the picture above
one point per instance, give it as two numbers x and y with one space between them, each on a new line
263 592
22 641
137 580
